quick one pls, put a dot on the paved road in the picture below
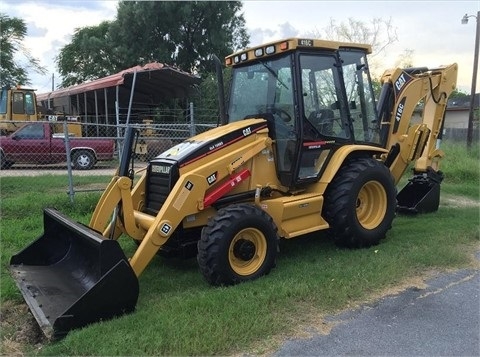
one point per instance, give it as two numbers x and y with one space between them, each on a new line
441 320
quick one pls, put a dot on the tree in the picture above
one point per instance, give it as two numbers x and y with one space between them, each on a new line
180 33
459 94
379 33
183 33
90 55
12 70
405 59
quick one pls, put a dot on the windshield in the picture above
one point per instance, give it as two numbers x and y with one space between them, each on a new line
262 87
265 89
3 101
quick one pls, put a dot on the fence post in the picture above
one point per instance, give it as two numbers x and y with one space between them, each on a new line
119 139
66 139
192 121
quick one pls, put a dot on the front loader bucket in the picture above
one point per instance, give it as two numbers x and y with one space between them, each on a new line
420 195
71 276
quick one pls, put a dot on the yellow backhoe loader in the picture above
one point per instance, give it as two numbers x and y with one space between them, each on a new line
303 146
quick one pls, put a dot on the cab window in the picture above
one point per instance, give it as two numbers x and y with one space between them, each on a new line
321 97
33 131
29 103
18 106
360 97
3 101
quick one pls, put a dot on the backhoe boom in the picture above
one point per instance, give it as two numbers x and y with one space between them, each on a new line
403 93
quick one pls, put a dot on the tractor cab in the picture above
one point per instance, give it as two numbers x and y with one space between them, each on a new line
316 97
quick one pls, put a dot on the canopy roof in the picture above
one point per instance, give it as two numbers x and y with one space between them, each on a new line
154 82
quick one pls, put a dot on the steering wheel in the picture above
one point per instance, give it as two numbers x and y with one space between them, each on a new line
283 114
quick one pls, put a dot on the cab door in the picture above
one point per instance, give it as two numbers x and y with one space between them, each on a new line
325 116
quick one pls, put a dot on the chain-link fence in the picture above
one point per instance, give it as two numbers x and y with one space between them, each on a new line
95 138
42 143
96 142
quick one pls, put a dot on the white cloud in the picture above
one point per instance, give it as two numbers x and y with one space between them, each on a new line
49 32
431 29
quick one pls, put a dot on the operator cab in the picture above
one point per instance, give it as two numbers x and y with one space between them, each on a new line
316 97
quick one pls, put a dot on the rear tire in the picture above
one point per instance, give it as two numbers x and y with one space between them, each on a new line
239 244
360 203
83 160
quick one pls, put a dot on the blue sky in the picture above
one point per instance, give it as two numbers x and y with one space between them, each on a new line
430 29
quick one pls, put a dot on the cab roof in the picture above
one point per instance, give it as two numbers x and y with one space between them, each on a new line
290 44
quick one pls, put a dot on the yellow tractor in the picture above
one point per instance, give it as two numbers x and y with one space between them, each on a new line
303 147
19 106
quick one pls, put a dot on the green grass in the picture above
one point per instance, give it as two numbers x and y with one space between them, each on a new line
178 313
462 170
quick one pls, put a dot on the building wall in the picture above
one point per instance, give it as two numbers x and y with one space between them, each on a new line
457 118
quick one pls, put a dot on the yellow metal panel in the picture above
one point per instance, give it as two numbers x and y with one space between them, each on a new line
198 219
296 215
341 154
296 227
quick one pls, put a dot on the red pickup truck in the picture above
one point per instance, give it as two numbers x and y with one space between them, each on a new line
36 143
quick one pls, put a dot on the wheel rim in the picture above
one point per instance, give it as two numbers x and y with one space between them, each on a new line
247 251
83 161
371 205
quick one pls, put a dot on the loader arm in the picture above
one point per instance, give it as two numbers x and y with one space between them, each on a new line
402 93
187 197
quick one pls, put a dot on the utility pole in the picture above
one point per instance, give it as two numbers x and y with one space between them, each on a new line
474 78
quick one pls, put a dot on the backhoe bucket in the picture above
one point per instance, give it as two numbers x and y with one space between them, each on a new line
420 195
71 276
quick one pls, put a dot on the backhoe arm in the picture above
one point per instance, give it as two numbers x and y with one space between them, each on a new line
403 92
409 140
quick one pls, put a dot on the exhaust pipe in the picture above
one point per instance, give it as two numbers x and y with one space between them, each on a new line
71 276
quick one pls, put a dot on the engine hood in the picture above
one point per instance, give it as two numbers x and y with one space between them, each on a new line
209 142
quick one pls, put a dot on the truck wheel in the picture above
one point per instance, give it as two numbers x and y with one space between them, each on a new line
239 244
83 160
360 203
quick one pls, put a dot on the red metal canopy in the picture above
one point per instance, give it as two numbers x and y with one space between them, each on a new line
154 80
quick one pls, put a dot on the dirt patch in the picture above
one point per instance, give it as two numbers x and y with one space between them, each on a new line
19 329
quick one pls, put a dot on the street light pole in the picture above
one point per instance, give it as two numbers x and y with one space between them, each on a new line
474 78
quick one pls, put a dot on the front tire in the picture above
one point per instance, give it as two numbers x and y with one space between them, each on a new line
360 203
239 244
83 160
